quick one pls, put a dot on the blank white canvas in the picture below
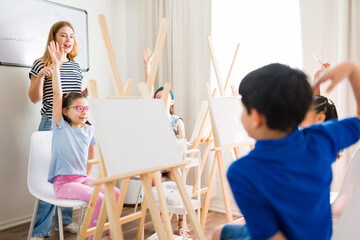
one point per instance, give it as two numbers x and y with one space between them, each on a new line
226 116
134 134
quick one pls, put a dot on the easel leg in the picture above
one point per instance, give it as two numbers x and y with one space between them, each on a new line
139 233
203 161
123 190
114 217
146 181
206 203
186 200
89 212
100 222
102 216
224 186
163 208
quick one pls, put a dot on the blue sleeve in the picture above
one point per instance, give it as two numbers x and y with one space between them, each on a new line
93 138
260 217
341 134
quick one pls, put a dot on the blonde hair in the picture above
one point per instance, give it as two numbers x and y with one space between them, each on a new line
52 33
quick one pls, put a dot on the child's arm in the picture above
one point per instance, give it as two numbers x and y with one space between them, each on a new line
37 84
181 129
147 56
338 73
56 55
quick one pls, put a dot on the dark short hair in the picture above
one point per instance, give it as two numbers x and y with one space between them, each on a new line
282 94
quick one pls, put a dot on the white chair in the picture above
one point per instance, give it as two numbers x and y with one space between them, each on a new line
350 185
348 225
39 187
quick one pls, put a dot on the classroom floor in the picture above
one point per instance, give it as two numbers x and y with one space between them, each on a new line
129 229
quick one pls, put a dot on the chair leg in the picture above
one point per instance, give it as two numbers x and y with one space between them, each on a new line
33 219
61 228
138 198
80 222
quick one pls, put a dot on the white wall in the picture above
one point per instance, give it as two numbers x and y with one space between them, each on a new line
20 118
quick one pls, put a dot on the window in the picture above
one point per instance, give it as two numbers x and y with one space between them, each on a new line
268 31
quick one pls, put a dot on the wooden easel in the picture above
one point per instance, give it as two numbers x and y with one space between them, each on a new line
101 225
201 139
109 203
146 176
120 92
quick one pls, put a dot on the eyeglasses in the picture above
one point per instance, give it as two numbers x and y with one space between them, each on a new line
80 108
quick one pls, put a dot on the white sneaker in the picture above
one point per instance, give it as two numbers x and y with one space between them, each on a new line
37 238
71 228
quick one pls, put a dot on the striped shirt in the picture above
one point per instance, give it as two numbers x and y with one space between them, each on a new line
71 80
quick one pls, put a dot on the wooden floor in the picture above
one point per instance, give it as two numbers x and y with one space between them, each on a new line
129 229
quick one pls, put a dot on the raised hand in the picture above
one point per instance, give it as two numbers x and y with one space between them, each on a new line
46 72
147 56
55 53
336 74
323 67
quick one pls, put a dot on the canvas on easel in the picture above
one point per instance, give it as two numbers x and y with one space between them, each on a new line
229 134
203 132
109 206
131 146
121 92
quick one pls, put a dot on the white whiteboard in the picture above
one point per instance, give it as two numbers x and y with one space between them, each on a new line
24 29
226 117
133 134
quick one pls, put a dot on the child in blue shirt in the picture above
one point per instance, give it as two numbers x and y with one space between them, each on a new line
282 187
72 136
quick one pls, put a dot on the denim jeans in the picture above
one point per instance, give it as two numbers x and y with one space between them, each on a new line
235 232
45 212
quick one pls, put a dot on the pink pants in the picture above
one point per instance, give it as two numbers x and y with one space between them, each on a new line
77 187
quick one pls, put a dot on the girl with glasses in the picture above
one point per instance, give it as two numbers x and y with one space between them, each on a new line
72 136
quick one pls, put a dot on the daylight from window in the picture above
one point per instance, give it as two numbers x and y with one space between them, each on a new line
268 31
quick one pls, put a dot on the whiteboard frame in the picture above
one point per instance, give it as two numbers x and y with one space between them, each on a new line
83 68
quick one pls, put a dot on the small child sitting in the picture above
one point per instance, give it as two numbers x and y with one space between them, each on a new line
282 187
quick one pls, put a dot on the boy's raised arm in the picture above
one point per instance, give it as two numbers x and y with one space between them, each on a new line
338 73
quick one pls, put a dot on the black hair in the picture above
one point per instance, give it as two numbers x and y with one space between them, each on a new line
321 104
68 99
282 94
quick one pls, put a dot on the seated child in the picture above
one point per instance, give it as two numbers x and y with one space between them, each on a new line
177 125
72 136
283 186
